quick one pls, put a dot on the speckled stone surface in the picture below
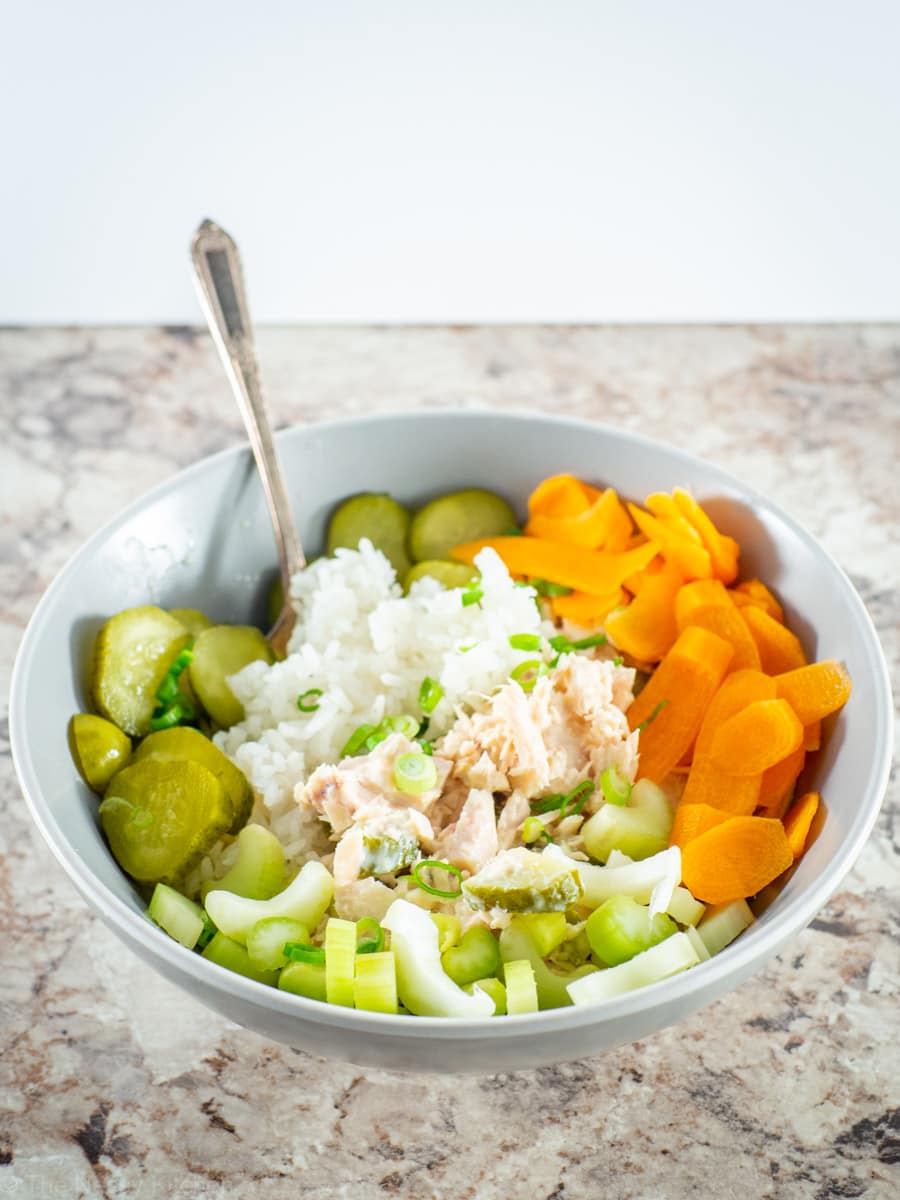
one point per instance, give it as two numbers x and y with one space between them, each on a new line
113 1084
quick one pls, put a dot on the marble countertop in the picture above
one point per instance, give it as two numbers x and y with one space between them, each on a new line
114 1084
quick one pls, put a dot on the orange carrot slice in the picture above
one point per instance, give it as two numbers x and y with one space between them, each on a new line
812 736
700 593
723 550
675 699
646 629
756 738
590 528
707 784
735 859
664 507
778 784
584 609
779 649
693 560
725 621
753 591
594 571
691 820
561 496
798 821
815 691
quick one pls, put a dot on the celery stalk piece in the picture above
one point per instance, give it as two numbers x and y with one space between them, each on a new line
636 880
637 832
548 930
621 928
304 979
661 896
266 940
618 859
493 988
340 960
697 942
683 908
181 918
423 985
722 923
517 943
258 870
476 956
304 900
234 957
659 962
449 929
375 984
521 988
647 796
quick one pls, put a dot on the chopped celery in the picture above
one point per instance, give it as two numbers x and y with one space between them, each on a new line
636 832
697 942
637 880
231 955
258 870
659 962
265 941
449 929
722 923
621 928
684 908
516 943
375 984
519 880
304 979
493 988
547 930
181 918
305 900
340 960
521 989
618 859
476 956
423 985
649 797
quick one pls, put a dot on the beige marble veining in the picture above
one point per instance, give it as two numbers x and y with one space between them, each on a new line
113 1084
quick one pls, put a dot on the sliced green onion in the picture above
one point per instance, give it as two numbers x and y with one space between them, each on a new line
414 773
356 740
560 643
525 641
435 864
466 649
643 725
577 799
615 787
472 595
618 661
533 830
427 747
303 952
547 804
430 695
544 587
167 690
167 718
403 723
585 643
303 702
527 673
513 531
369 936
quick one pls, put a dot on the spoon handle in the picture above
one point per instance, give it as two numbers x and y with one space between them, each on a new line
220 281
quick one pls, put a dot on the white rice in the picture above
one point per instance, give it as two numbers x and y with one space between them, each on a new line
369 647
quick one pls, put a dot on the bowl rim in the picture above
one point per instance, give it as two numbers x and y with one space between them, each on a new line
737 960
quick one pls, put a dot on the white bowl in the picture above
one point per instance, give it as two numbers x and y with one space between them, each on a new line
203 539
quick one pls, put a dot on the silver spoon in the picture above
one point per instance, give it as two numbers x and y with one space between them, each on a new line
220 282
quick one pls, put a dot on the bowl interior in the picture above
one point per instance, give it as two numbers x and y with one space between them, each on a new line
203 539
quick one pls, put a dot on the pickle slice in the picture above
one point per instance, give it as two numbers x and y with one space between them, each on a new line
218 653
184 744
519 881
98 749
192 619
460 517
448 574
132 654
376 517
161 817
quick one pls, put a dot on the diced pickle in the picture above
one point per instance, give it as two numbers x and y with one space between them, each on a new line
192 619
98 749
383 853
519 880
448 574
220 652
460 517
132 656
161 817
376 517
183 744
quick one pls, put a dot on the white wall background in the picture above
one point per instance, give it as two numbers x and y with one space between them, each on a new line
454 160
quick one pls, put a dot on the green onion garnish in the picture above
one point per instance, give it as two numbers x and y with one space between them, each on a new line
618 661
466 649
303 702
430 694
403 723
615 787
472 595
558 802
356 740
370 936
643 725
427 747
527 674
435 864
525 641
303 952
414 773
597 639
513 531
544 587
174 706
167 719
533 830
